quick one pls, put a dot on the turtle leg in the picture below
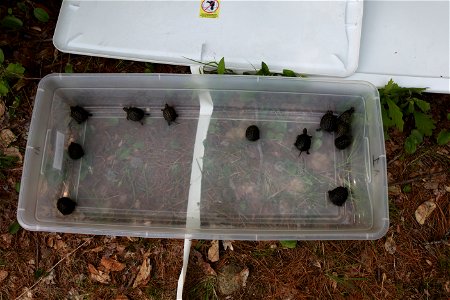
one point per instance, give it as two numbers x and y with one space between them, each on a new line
300 153
307 151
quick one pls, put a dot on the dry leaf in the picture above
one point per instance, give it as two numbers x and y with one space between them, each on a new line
424 211
447 189
6 239
98 275
213 251
242 276
431 185
112 264
204 265
390 245
121 297
97 249
2 109
227 244
447 286
3 275
394 190
50 278
6 138
20 84
143 276
429 262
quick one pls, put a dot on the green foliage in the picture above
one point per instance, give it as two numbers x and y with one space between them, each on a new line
14 227
41 14
407 188
14 70
17 187
11 22
149 68
413 140
289 244
289 73
6 162
68 68
221 66
443 137
264 71
2 56
38 273
8 74
398 104
4 88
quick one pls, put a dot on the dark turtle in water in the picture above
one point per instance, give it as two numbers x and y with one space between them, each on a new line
65 205
75 151
328 122
303 142
135 114
252 133
346 116
338 196
79 114
169 113
343 141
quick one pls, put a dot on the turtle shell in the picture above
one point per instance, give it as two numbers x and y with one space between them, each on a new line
328 122
343 141
346 116
303 142
252 133
75 151
343 128
134 114
169 113
79 114
338 196
65 205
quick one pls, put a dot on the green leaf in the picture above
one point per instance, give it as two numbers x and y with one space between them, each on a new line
15 70
14 227
68 68
387 122
424 123
410 109
11 22
264 70
395 114
423 105
443 137
407 188
17 187
4 89
448 116
417 136
289 244
2 56
9 11
221 66
41 14
289 73
38 273
410 145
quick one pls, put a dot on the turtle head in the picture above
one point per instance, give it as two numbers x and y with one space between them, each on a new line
305 131
126 109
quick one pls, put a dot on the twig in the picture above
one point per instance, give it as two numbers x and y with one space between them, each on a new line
62 259
417 178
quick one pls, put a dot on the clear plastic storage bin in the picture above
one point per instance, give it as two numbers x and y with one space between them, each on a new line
200 177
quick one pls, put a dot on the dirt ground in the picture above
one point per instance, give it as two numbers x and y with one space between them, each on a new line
411 262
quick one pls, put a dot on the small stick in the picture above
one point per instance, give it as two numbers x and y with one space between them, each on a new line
417 178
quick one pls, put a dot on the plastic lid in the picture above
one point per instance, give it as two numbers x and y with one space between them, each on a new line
311 37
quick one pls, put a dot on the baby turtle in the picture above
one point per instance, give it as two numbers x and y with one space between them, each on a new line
303 142
65 205
252 133
79 114
135 114
343 141
338 196
342 128
75 151
346 116
328 122
169 114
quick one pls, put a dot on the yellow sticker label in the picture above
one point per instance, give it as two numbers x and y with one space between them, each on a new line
209 8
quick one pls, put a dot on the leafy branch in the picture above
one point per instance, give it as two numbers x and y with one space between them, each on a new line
398 104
